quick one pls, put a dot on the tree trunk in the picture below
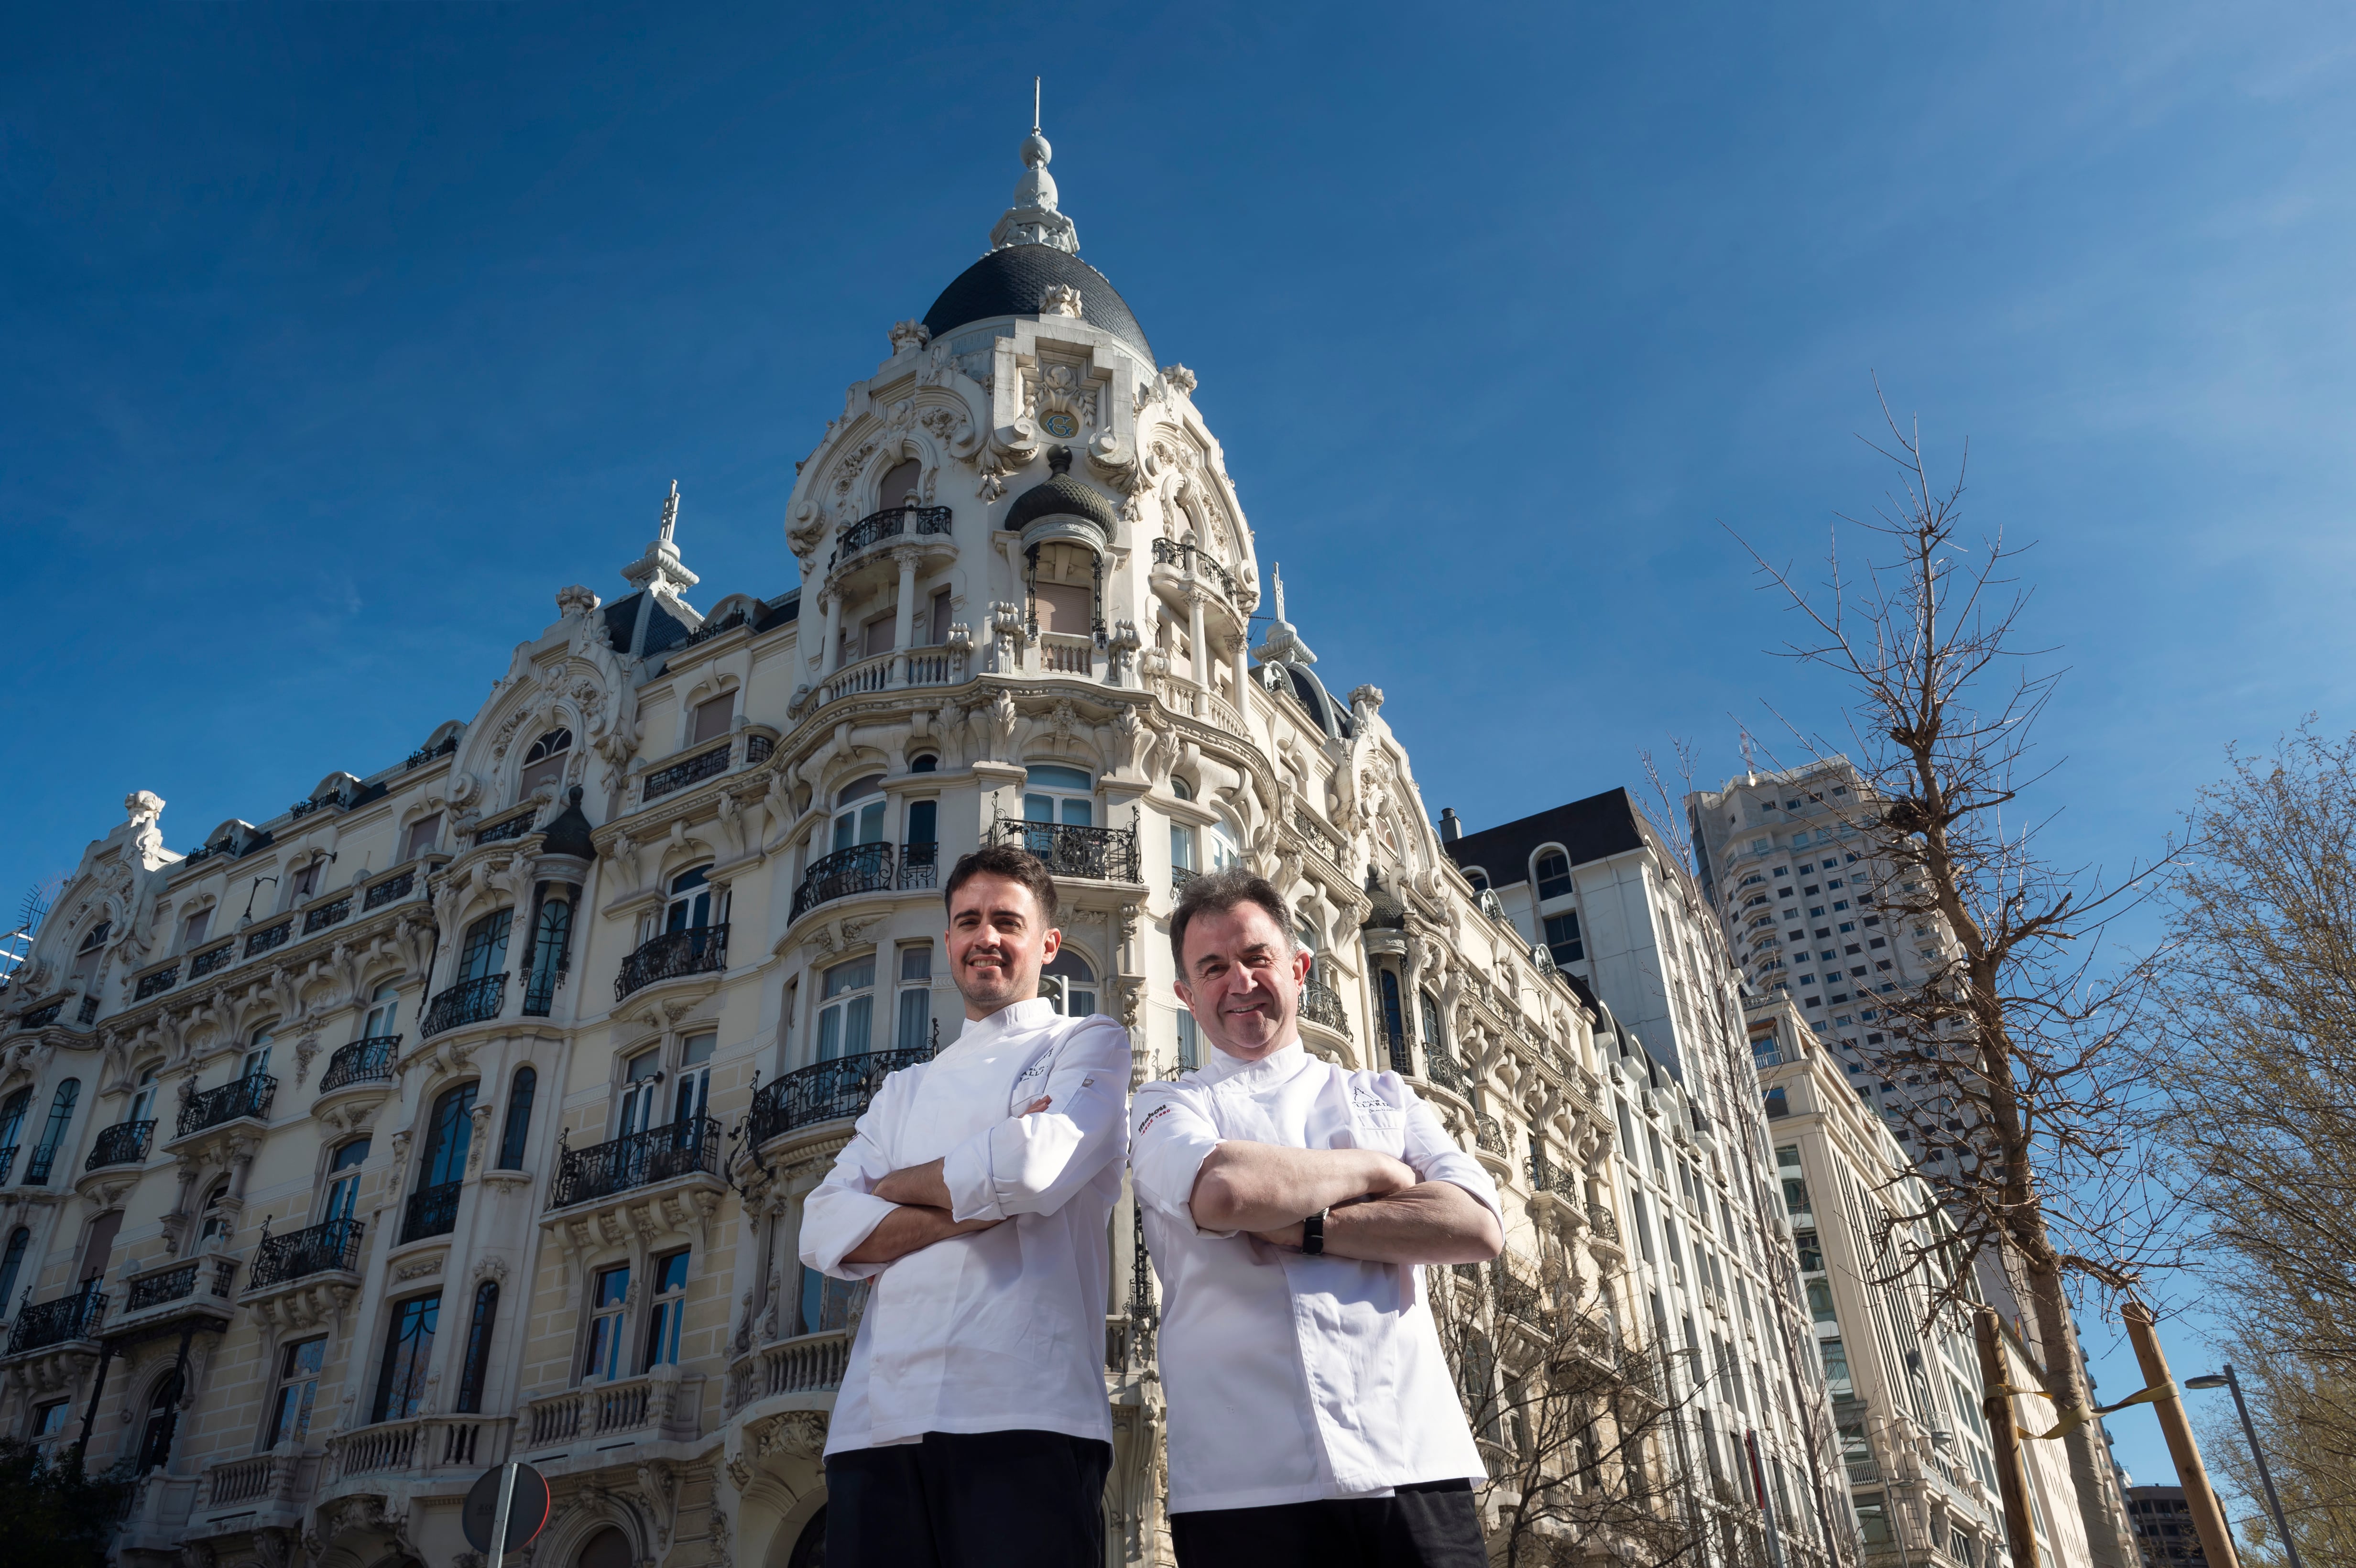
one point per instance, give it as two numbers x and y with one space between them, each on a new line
2056 1345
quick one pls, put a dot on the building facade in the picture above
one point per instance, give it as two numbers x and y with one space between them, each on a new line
464 1109
2164 1532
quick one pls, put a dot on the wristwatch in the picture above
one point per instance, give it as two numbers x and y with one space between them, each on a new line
1312 1234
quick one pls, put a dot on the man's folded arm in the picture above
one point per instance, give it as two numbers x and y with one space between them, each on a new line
1244 1186
844 1212
1036 1163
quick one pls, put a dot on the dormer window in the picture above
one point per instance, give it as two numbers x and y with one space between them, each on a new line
1554 875
712 718
543 765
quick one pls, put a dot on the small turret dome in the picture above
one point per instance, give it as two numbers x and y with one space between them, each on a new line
1061 499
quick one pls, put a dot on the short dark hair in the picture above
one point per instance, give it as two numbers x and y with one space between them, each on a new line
1008 861
1223 891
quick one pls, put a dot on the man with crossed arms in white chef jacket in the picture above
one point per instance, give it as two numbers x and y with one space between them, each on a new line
977 1192
1288 1206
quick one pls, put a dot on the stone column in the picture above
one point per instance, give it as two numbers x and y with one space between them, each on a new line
904 623
1196 632
833 602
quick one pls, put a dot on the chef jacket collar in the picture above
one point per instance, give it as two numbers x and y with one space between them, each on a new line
1274 1067
1037 1012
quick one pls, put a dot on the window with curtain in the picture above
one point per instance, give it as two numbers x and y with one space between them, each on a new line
298 1391
670 1313
914 1024
543 765
609 1295
847 1011
712 718
408 1350
474 1367
12 1263
448 1134
518 1122
344 1180
422 836
550 944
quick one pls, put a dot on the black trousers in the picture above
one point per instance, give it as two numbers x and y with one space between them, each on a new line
1433 1524
968 1499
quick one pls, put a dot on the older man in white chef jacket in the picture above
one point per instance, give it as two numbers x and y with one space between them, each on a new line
977 1193
1289 1206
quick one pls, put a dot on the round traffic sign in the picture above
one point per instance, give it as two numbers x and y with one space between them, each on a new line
527 1510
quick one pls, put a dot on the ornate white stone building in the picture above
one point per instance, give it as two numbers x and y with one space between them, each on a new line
464 1109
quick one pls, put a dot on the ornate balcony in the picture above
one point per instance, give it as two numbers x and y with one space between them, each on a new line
161 980
366 1060
327 915
204 964
430 1211
8 1158
58 1322
808 1363
330 1248
890 524
862 868
125 1143
467 1002
1195 562
178 1283
42 1018
268 937
1548 1177
247 1096
919 864
386 891
663 1405
1321 1005
693 771
420 1443
1099 854
699 950
635 1159
826 1091
514 826
1397 1051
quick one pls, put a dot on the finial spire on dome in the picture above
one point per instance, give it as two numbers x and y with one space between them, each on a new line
660 568
1284 645
1032 218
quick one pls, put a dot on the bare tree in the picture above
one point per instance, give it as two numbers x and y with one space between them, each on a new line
1580 1429
2259 1059
2018 1051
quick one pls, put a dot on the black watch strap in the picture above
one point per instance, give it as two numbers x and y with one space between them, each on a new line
1312 1234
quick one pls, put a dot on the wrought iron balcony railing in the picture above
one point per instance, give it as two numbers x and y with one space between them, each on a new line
862 868
178 1283
8 1158
42 1018
331 1247
1398 1050
366 1060
826 1091
204 964
161 980
1179 877
1100 854
44 1160
699 950
432 1211
1322 1004
389 889
467 1002
636 1159
58 1322
514 826
268 937
125 1143
694 771
1194 561
327 915
1445 1072
247 1096
889 524
919 864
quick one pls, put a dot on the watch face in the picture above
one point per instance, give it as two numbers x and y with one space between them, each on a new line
1059 425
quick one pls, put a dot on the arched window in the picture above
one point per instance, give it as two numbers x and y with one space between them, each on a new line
344 1180
900 482
1554 874
859 813
1478 878
1430 1010
408 1349
609 1548
12 1123
1071 984
1061 794
809 1546
543 765
1181 788
86 956
11 1262
846 1017
383 1014
212 1225
485 953
143 1101
518 1124
551 942
925 764
690 907
476 1365
163 1420
257 1052
447 1137
53 1132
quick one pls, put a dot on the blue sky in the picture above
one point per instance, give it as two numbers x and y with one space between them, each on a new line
339 339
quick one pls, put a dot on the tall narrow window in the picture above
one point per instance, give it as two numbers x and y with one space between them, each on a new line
143 1099
1836 1374
1427 1013
422 836
1562 937
93 945
669 1310
477 1365
1190 1041
448 1136
694 1092
408 1350
11 1263
916 1006
485 950
922 848
519 1123
98 1245
383 1014
899 486
53 1132
344 1181
212 1224
257 1055
859 813
940 618
608 1294
690 907
193 929
298 1390
642 1080
1394 1024
162 1421
306 881
1072 983
12 1126
847 1015
550 942
1554 874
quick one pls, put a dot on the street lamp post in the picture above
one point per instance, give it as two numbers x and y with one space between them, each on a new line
2226 1380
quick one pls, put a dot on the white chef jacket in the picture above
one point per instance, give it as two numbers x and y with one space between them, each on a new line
1293 1378
1000 1329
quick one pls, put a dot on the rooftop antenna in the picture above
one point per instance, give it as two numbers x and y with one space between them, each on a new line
1034 103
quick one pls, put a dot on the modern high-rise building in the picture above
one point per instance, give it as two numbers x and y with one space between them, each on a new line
2164 1532
464 1109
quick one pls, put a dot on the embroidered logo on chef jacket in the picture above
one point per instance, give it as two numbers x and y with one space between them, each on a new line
1036 1069
1159 1111
1376 1111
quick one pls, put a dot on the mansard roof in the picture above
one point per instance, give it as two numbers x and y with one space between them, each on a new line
1011 282
1595 829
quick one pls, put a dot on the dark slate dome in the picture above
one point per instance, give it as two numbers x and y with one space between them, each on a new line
1010 283
1061 496
568 833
